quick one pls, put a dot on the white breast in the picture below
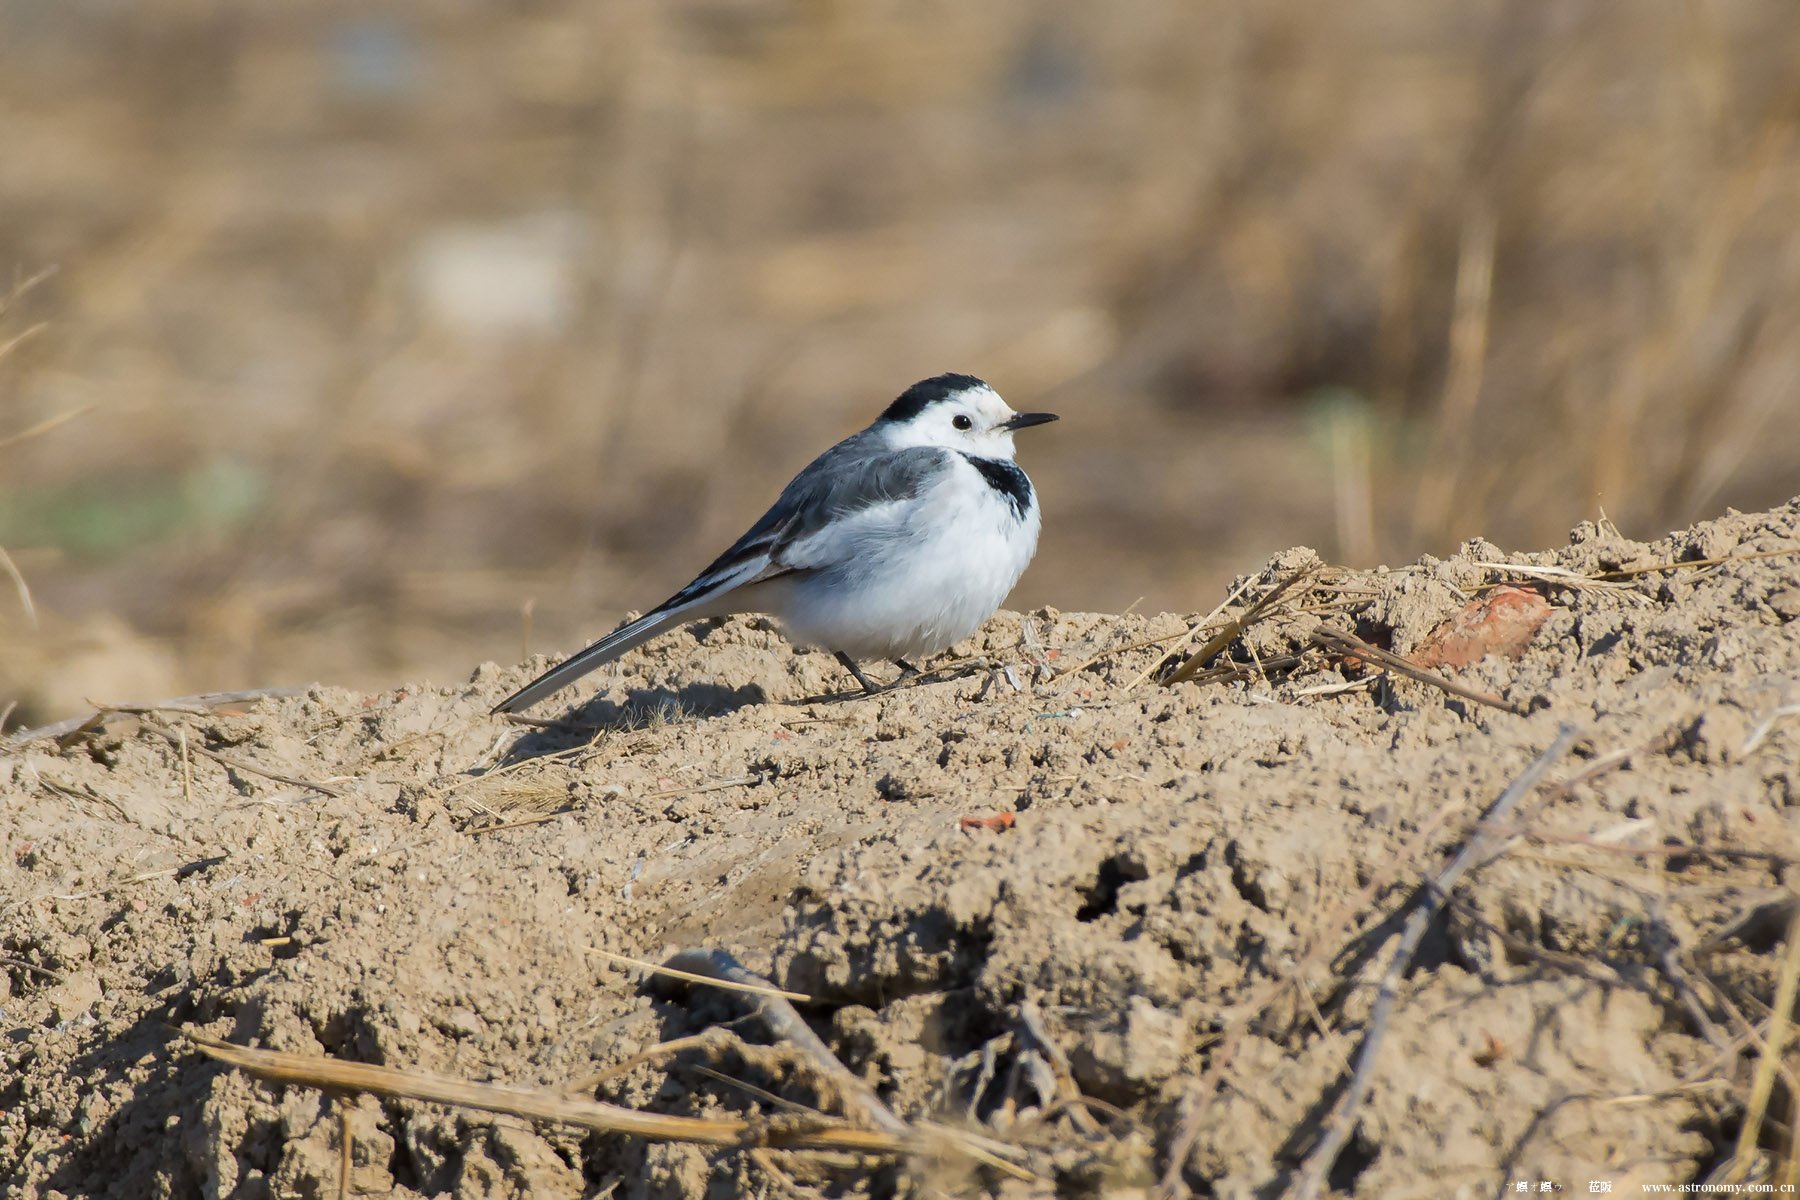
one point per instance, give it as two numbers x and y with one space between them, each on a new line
916 575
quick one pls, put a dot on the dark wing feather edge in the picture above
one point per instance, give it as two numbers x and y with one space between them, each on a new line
855 474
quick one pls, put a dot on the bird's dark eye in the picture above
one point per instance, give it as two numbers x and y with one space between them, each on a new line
962 422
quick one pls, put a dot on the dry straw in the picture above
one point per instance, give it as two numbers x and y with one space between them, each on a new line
539 1104
868 1128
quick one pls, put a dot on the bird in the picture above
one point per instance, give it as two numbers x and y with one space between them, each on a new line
894 544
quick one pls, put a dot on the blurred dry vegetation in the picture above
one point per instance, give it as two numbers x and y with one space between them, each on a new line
392 337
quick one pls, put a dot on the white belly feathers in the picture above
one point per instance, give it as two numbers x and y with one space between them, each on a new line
922 575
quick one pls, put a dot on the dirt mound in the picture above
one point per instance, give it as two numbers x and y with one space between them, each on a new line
1185 919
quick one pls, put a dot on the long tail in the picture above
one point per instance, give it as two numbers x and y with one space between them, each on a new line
619 641
722 588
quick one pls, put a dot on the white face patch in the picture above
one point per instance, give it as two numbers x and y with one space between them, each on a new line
970 421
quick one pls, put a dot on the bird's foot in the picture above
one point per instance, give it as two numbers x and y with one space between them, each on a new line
849 664
869 686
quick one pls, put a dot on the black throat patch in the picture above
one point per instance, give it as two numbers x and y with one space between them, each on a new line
1007 479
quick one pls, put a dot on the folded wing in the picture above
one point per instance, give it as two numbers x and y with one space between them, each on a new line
857 478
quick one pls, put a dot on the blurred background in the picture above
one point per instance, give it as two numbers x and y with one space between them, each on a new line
366 342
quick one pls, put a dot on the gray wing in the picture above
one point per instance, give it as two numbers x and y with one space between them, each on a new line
851 482
856 475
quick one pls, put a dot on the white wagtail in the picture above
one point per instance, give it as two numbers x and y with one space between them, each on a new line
894 543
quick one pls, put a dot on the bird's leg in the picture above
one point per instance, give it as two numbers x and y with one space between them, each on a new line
907 670
849 665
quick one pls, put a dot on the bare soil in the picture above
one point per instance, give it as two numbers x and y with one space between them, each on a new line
1204 877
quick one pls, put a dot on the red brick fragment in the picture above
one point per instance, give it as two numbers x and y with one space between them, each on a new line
1501 622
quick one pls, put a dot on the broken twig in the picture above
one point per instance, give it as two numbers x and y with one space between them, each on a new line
787 1024
204 702
1480 849
1339 642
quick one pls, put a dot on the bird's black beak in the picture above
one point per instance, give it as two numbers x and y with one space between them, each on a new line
1026 420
